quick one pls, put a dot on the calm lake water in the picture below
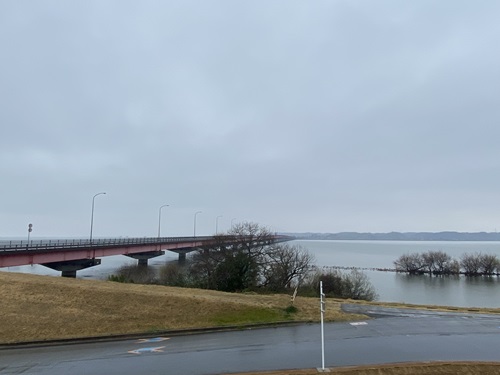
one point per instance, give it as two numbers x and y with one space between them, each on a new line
394 287
391 287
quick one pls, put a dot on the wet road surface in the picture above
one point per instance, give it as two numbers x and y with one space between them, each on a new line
393 335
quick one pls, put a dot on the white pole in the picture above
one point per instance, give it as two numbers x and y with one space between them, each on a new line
194 226
159 219
322 308
217 224
92 216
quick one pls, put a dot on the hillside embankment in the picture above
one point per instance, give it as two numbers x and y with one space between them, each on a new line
43 308
37 308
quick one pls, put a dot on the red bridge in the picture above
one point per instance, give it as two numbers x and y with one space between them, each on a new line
69 256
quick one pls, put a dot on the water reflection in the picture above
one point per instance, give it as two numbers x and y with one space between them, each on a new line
445 290
481 289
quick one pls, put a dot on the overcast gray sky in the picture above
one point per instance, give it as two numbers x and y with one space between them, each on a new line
321 116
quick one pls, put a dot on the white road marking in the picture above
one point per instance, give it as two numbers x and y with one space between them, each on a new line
158 349
156 339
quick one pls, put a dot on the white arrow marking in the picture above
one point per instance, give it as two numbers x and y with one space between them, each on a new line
158 349
156 339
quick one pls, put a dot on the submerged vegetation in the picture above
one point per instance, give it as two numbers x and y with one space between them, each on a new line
440 263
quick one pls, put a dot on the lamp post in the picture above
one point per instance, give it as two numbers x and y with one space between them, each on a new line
92 216
194 227
159 218
217 224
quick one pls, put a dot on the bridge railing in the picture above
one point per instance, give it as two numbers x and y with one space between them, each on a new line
95 243
34 245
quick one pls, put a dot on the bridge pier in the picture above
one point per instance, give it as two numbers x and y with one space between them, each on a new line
142 258
68 268
183 252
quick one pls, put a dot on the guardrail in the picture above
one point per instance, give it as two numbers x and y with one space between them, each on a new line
11 246
8 246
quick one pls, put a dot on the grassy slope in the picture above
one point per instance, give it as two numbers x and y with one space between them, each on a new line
36 307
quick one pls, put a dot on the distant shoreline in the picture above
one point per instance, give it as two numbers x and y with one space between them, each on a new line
400 236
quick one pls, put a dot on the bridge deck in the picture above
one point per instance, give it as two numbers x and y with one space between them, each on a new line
18 253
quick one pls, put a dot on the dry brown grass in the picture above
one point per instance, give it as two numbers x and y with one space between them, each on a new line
453 368
36 307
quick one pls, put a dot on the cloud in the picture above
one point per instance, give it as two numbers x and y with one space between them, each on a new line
302 116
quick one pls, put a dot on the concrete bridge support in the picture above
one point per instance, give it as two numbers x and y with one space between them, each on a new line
142 258
182 253
68 268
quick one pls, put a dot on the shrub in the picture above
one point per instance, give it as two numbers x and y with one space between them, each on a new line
354 285
174 274
117 278
358 286
136 274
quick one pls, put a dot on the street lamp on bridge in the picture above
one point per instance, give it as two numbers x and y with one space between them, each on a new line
194 227
159 219
92 216
217 224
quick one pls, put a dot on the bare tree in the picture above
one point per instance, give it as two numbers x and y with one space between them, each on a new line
440 263
410 263
454 267
443 263
488 263
203 263
471 264
436 262
285 265
358 286
251 238
429 261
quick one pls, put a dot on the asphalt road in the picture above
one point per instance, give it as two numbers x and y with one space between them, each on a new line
391 336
